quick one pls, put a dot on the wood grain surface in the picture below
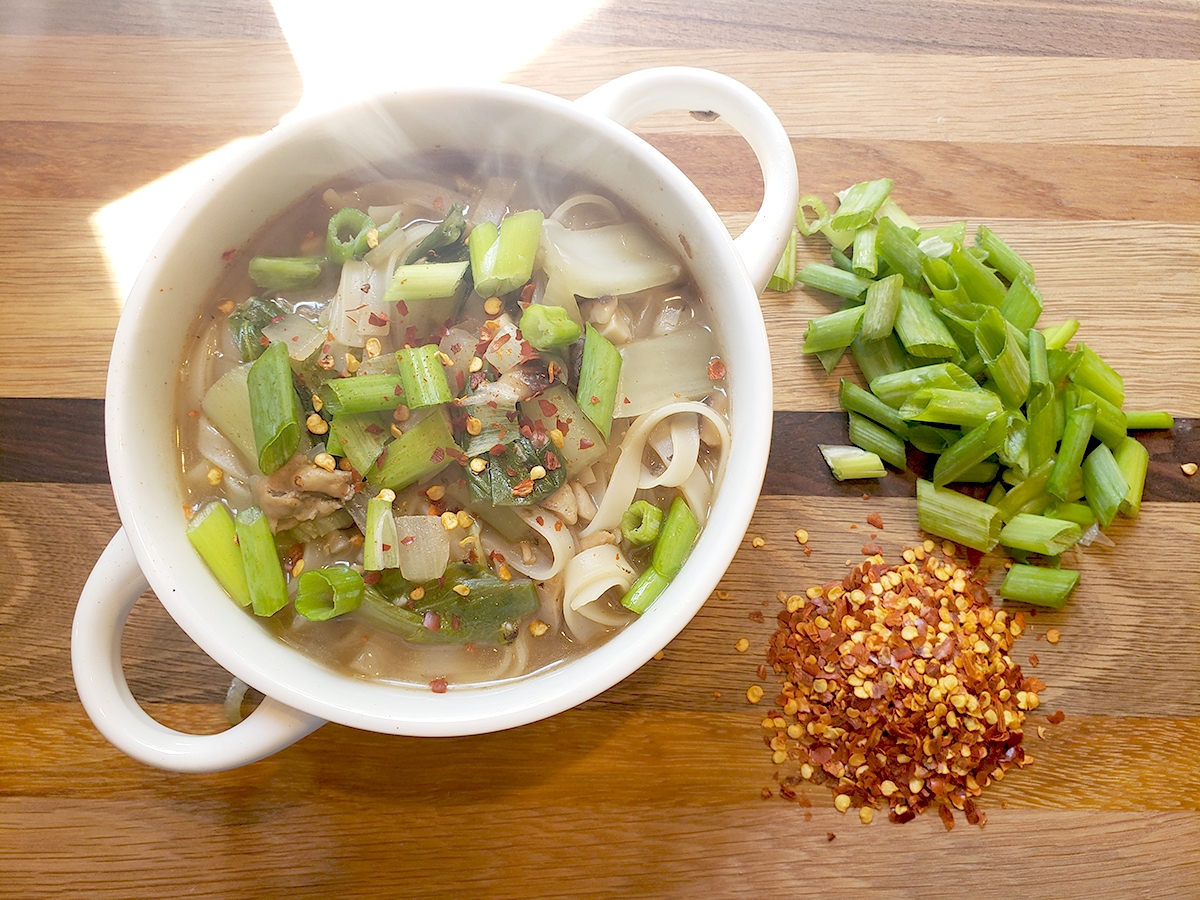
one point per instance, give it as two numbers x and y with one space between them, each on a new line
1072 128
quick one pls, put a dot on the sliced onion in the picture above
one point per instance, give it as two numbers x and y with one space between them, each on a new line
572 212
424 547
605 261
300 336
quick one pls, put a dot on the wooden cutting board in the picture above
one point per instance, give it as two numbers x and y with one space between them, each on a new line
1073 131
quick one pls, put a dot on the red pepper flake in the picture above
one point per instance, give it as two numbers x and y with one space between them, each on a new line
523 488
558 526
875 521
401 307
455 623
192 413
501 340
438 454
829 835
432 621
229 254
438 685
756 615
377 320
265 341
497 450
1056 717
594 399
372 428
411 336
870 548
407 540
766 793
540 520
552 462
562 426
460 378
716 369
1033 659
947 816
386 547
548 409
371 577
439 203
398 391
527 292
585 444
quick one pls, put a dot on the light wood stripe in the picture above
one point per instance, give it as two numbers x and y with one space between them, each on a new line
923 97
945 98
127 80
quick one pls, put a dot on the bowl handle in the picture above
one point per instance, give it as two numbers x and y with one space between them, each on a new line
113 587
631 97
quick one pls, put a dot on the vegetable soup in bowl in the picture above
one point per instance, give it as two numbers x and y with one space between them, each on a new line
438 414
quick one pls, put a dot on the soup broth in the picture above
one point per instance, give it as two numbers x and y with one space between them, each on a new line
492 477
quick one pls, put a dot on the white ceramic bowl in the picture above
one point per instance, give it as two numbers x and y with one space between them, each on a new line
587 137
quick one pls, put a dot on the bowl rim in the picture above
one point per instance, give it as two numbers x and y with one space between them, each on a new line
285 673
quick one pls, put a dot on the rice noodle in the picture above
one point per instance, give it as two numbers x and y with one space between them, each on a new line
627 473
593 571
560 544
685 451
609 214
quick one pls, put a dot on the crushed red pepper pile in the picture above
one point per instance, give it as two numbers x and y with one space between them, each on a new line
899 689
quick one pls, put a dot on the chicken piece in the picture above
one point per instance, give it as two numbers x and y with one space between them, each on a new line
300 491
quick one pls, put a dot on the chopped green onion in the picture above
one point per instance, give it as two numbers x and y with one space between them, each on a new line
1148 420
425 281
1003 357
921 330
286 273
874 438
833 280
859 203
881 307
1080 422
505 263
322 594
1110 420
675 539
834 330
972 448
264 572
875 358
1079 513
599 375
1039 586
423 450
1003 258
854 399
943 283
274 409
841 260
211 531
979 283
1058 335
381 543
354 224
1104 484
890 209
980 473
849 462
950 406
423 376
1098 376
548 326
865 261
450 231
817 205
361 394
894 388
955 516
1025 492
932 439
360 438
1133 459
1022 305
1040 534
641 523
899 252
784 276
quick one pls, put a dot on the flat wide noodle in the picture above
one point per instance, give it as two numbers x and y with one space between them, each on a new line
593 571
685 451
559 540
627 474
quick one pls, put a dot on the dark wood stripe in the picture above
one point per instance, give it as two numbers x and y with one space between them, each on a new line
935 178
1093 28
75 430
52 440
797 468
205 19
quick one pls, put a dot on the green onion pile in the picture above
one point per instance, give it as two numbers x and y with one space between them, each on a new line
946 336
